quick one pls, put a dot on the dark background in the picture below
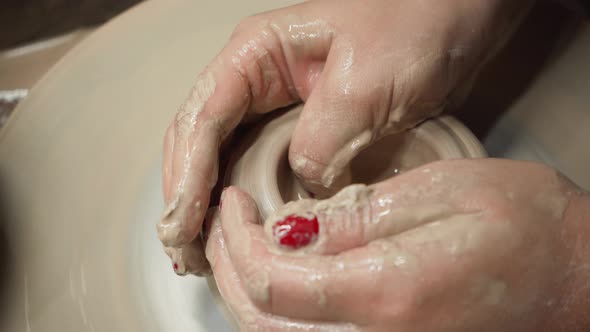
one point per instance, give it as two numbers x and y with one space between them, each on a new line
23 21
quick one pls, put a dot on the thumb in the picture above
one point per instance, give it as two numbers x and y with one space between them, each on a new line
359 214
343 115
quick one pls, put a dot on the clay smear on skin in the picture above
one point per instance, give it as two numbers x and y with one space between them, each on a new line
270 84
186 120
356 197
350 198
305 38
375 217
398 119
344 156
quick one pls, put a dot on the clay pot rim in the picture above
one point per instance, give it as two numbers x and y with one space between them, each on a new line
254 166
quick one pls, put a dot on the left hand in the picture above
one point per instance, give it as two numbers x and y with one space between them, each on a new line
364 69
464 245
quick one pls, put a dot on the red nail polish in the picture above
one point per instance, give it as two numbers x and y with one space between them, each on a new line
175 266
296 231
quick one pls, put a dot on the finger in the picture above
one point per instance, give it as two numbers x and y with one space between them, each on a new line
190 258
382 279
337 122
248 316
356 102
261 69
167 186
285 285
359 214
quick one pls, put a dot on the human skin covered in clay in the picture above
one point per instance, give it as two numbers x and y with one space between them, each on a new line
363 68
463 245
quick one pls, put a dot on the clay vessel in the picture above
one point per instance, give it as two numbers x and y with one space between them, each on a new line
259 165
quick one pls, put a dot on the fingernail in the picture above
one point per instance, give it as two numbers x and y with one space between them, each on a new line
305 167
179 269
296 231
176 258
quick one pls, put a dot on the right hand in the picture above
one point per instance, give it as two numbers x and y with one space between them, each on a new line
364 69
457 245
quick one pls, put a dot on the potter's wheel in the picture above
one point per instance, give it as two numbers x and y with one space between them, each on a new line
80 176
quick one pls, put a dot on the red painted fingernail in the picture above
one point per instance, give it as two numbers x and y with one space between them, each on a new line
175 266
296 231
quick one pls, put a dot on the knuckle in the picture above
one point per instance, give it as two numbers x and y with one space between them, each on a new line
256 282
247 24
405 310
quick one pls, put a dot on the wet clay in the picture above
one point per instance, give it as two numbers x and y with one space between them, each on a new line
260 163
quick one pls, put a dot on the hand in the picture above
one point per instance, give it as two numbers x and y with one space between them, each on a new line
364 68
465 245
